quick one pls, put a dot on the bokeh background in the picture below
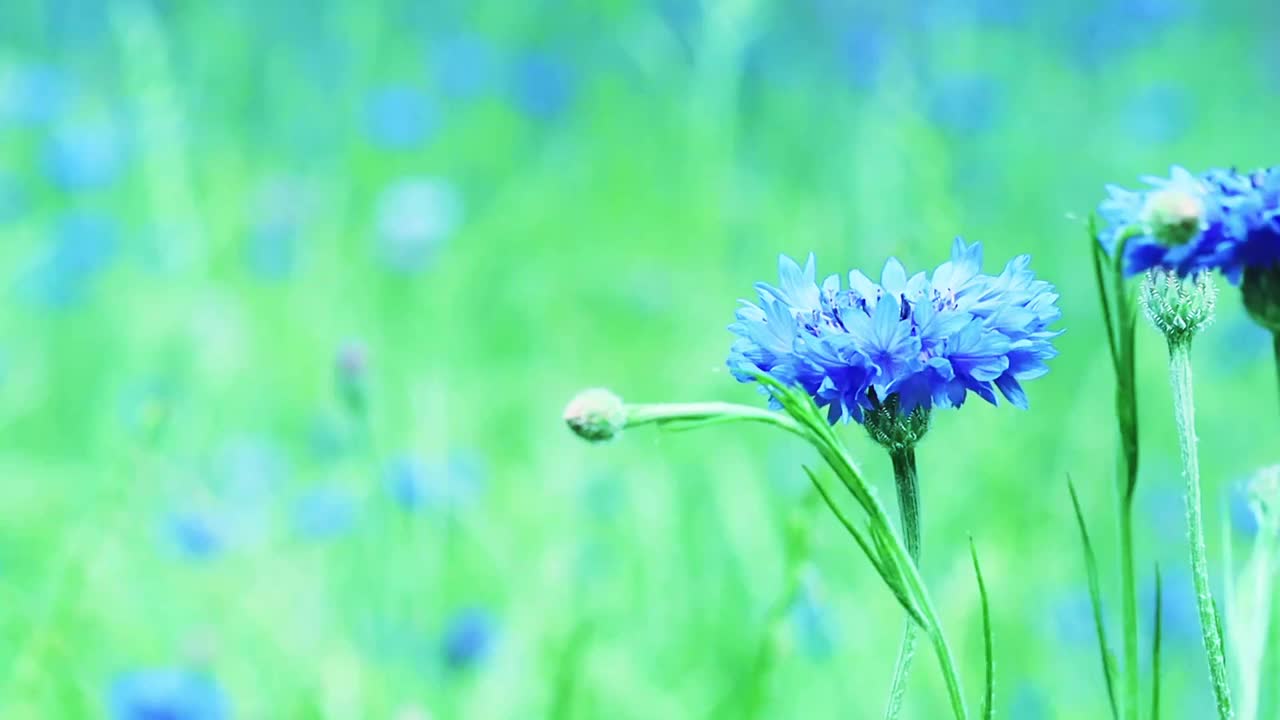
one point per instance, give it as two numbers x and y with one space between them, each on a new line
295 292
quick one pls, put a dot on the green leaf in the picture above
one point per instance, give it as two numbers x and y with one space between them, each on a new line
1155 649
891 578
1095 596
989 697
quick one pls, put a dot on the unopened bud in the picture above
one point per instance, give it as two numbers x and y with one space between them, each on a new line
1179 307
596 415
1174 214
1261 289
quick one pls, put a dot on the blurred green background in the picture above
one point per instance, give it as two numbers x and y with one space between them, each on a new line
296 291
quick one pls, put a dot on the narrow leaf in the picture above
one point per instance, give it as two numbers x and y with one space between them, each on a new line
1095 596
989 697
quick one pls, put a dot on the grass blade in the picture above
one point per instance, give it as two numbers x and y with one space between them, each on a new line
1095 597
988 697
1155 650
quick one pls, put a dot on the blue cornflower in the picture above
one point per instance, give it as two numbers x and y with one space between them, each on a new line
81 247
468 639
166 693
544 85
406 480
399 117
915 342
324 513
1218 220
197 536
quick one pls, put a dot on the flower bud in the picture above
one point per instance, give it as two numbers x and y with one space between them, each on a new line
1261 289
596 415
1179 307
893 430
1173 215
352 376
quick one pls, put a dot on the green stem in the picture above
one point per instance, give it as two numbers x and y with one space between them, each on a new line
908 483
1130 603
1275 344
1210 628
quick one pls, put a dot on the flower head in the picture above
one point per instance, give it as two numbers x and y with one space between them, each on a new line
1218 220
596 415
166 693
468 639
921 341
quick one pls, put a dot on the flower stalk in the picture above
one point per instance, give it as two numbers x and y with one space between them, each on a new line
599 416
907 482
1210 625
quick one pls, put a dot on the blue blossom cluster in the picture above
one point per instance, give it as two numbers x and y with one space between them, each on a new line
1218 220
925 340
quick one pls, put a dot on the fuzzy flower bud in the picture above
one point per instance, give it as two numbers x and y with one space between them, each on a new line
596 415
1174 214
1261 291
1179 308
1264 499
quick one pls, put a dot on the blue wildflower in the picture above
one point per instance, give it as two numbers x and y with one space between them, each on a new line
414 217
166 693
196 535
406 480
966 104
85 154
399 117
918 341
275 228
1219 220
812 625
468 639
82 246
544 86
465 65
33 94
324 514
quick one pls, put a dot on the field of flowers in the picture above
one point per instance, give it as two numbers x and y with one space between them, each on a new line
297 293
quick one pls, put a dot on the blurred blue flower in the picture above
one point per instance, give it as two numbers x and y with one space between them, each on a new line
399 117
85 154
275 228
196 535
1072 617
414 217
406 480
967 104
812 624
1029 703
81 246
923 341
1239 506
863 47
324 513
1158 114
247 469
543 85
1186 223
166 694
468 639
465 65
32 94
1116 27
1179 616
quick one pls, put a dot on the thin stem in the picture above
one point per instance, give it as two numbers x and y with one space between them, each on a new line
1275 344
1130 603
1210 628
908 483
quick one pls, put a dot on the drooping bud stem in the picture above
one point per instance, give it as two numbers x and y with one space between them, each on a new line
1179 307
